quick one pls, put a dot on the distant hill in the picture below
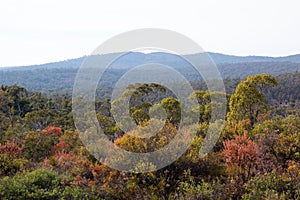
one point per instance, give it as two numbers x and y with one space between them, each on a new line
60 76
159 57
222 58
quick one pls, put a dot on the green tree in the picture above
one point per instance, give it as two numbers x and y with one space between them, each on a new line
39 119
249 102
5 113
38 144
172 107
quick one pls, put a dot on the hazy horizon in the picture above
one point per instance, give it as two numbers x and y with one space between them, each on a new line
67 59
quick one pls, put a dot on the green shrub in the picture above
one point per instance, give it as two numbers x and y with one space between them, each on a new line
41 184
272 186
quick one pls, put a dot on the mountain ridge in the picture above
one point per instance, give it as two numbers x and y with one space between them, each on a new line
60 76
218 58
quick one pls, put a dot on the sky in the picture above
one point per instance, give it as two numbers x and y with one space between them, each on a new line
36 32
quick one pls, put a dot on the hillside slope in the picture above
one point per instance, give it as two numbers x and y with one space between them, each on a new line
60 76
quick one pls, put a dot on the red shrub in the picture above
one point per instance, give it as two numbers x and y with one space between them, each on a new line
11 148
60 147
53 130
241 154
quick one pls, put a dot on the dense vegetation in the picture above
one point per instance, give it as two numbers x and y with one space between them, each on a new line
256 157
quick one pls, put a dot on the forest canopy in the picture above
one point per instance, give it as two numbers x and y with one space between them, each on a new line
256 157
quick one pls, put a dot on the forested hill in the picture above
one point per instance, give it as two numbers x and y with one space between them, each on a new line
59 76
222 58
161 57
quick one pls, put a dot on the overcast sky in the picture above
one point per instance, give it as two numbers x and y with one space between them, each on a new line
35 31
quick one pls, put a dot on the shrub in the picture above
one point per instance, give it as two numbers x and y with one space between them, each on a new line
41 184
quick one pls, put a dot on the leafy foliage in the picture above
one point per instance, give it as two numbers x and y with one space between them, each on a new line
256 157
249 102
241 156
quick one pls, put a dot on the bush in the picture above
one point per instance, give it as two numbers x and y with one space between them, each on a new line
272 186
41 184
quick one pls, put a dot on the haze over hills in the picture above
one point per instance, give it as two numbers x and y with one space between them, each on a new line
60 76
222 58
159 57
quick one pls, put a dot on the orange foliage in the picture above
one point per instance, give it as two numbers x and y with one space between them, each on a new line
69 163
53 130
104 175
11 148
60 147
241 154
79 181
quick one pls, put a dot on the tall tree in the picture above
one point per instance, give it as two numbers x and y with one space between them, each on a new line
249 101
